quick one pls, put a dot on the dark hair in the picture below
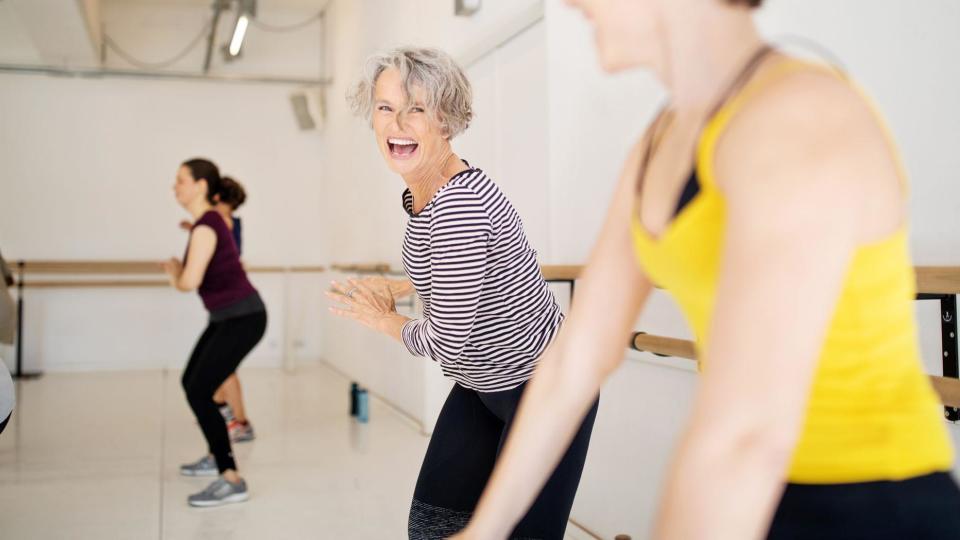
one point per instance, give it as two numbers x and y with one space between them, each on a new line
204 169
748 3
231 192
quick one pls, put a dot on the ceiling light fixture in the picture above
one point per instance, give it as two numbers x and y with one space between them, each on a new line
246 9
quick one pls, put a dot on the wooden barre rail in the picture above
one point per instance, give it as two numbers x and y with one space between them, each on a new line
116 268
560 272
129 267
290 269
371 268
938 279
91 267
664 346
550 272
95 284
947 387
930 279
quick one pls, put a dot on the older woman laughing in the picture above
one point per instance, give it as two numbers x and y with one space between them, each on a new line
488 314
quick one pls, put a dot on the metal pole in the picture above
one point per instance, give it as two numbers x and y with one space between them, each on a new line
948 340
99 73
211 40
21 374
19 319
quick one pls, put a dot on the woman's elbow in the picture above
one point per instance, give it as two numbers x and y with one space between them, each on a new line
768 445
187 285
771 446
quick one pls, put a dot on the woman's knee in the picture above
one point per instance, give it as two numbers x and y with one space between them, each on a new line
198 393
428 522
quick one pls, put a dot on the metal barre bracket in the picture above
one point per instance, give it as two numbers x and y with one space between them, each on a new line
948 342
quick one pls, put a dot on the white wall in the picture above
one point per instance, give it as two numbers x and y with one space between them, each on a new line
86 172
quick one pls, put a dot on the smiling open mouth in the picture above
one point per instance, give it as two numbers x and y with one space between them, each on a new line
402 148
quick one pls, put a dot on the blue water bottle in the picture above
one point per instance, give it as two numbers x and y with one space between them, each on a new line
363 406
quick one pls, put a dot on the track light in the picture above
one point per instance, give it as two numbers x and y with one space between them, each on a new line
246 9
239 31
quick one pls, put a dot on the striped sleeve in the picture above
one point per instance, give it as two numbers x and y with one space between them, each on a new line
460 232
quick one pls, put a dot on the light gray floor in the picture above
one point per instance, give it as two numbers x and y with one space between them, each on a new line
96 456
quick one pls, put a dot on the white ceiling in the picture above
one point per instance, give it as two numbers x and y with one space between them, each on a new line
16 47
55 33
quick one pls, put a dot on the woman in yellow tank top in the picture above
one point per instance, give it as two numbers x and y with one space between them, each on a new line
813 418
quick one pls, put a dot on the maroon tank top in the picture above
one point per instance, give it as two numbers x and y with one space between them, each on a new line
225 282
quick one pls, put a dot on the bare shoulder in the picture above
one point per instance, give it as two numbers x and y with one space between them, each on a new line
808 134
204 229
203 233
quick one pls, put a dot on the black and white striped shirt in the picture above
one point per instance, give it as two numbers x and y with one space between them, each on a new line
487 311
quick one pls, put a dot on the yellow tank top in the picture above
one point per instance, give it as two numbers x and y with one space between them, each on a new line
872 413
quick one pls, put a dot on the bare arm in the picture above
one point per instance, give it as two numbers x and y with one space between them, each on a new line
591 344
203 242
795 187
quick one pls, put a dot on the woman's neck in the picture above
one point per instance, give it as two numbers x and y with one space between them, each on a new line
701 60
226 214
424 184
198 208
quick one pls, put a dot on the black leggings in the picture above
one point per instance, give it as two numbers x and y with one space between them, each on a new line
922 508
3 425
217 354
463 449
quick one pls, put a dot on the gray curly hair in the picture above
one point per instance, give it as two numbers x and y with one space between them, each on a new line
446 90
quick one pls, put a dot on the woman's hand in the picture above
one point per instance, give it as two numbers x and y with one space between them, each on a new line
368 302
399 288
172 267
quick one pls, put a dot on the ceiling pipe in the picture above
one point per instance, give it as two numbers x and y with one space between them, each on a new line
218 6
167 75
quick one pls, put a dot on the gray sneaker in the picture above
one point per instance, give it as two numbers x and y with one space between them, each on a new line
220 492
240 432
205 466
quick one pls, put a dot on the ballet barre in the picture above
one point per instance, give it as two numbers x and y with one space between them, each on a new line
101 268
129 267
370 268
940 283
948 388
562 274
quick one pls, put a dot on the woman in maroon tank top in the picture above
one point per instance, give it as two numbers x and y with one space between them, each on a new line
238 320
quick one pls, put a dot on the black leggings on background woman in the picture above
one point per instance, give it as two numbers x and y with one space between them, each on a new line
218 353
